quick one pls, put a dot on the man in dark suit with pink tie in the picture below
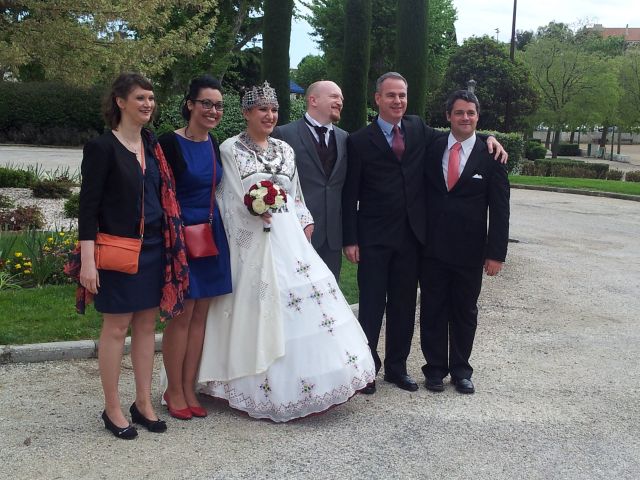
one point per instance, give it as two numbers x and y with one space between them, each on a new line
466 189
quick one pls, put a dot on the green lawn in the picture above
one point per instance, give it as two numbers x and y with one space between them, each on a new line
614 186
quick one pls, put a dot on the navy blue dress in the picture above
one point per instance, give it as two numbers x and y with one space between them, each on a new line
122 292
208 276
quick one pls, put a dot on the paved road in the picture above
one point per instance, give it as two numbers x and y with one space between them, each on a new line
49 158
557 379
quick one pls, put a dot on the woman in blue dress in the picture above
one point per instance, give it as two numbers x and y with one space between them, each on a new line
191 151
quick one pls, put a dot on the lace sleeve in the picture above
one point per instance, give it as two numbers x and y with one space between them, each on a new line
303 213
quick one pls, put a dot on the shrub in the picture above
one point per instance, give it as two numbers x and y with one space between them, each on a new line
614 175
563 167
22 218
51 189
527 167
72 206
513 144
16 178
569 149
633 176
535 150
6 202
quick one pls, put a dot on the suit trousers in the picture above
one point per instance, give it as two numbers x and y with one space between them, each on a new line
388 281
333 258
448 317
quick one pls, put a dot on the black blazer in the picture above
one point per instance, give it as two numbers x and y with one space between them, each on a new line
390 192
111 191
457 220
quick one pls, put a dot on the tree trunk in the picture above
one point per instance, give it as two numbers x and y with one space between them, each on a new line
357 36
619 141
276 38
548 139
411 51
556 143
572 136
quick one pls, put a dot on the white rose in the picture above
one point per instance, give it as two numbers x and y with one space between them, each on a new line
279 201
259 206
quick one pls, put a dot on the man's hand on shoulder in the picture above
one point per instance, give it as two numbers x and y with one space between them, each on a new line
500 153
352 252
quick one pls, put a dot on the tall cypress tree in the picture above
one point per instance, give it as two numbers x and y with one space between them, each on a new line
357 37
276 37
411 51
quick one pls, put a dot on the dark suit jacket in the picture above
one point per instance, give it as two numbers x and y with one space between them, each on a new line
111 191
381 193
322 195
457 220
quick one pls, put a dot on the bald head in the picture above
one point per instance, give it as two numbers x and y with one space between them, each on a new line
324 101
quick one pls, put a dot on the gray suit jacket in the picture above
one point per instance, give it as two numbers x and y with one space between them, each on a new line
322 195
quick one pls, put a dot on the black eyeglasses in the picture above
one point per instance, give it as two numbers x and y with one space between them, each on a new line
208 105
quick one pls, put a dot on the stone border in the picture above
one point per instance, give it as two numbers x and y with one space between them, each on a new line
578 191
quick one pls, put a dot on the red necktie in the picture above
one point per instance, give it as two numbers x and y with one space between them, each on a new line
397 142
453 170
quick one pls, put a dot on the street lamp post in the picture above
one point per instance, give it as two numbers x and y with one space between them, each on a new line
471 85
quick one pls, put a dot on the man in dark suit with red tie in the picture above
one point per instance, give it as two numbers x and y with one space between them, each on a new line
464 189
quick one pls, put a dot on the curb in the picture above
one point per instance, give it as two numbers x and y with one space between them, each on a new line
78 349
577 191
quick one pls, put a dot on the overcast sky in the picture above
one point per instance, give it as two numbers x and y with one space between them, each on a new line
482 17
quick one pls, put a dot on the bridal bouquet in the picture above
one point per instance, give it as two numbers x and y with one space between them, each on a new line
263 197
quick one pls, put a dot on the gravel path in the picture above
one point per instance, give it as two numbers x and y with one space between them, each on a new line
557 383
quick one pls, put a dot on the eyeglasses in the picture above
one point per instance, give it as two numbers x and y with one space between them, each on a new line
208 105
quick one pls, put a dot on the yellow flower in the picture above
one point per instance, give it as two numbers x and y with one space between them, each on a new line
61 234
27 264
18 254
67 242
46 248
50 239
18 266
27 272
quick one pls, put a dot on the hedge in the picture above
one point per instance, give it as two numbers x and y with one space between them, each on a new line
513 144
49 113
569 149
535 150
564 168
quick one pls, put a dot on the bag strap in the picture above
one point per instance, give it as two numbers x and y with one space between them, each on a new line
143 165
213 182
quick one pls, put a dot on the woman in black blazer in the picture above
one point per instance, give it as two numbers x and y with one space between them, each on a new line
122 170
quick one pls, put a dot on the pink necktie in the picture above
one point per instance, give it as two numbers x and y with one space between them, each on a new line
453 170
397 142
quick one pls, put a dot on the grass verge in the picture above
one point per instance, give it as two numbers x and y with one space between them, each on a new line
613 186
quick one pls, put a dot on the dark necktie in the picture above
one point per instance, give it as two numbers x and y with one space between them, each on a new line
321 136
397 142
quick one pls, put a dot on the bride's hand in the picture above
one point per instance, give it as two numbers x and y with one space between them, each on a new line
266 217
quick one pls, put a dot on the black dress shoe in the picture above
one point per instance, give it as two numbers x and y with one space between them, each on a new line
405 382
370 388
127 433
463 385
434 384
156 426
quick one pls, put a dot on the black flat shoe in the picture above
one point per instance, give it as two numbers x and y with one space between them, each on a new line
127 433
405 382
156 426
369 389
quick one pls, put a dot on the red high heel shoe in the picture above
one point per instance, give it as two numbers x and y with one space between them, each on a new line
182 414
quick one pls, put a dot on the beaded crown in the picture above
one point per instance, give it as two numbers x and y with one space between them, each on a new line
259 96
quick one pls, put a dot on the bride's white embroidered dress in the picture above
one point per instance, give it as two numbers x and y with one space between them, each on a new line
285 343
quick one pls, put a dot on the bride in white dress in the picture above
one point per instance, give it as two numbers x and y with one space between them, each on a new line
285 343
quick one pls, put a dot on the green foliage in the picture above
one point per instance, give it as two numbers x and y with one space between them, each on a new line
411 50
630 85
614 174
565 168
49 113
22 218
310 69
593 184
356 57
16 178
298 107
513 144
51 189
6 202
48 253
72 206
8 281
535 150
276 36
569 149
499 81
244 70
232 121
633 176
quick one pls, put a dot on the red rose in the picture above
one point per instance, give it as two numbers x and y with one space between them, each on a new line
248 200
266 183
269 199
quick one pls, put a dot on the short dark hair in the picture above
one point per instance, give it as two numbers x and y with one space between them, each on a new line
384 76
121 88
465 95
197 84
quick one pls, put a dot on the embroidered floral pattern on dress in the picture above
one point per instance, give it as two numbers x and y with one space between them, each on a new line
306 387
317 294
294 301
264 386
332 290
352 360
303 269
328 322
252 158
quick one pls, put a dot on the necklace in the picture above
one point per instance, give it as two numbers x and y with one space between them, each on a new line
130 146
193 137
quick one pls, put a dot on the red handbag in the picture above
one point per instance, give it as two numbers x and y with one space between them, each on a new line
199 237
120 254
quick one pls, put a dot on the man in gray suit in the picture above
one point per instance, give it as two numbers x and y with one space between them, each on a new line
321 158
